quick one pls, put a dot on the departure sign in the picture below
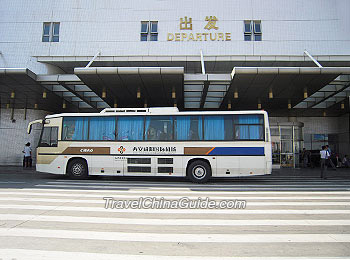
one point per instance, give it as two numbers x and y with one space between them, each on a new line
210 35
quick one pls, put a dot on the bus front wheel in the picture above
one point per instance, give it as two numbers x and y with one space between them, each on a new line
199 171
77 169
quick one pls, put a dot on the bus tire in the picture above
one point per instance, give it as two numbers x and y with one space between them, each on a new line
77 169
199 171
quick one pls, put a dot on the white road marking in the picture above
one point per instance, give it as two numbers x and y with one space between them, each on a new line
180 211
59 255
184 238
170 190
126 197
175 222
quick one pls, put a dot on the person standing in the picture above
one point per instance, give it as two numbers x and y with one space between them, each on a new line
304 157
329 158
324 161
338 160
27 155
346 161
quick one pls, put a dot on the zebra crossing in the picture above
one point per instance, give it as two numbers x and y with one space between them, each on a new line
284 218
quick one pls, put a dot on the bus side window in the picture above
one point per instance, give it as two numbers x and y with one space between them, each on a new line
195 128
65 131
159 128
49 137
54 137
100 128
130 128
214 128
151 133
75 128
249 127
45 137
188 128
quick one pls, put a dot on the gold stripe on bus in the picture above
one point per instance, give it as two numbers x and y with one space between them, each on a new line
46 159
87 150
197 150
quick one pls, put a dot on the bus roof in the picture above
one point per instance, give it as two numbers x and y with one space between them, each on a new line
154 111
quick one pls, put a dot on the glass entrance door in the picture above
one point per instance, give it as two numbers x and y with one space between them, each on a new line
276 150
287 140
287 149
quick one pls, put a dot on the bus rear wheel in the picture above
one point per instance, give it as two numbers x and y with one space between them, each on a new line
199 171
77 169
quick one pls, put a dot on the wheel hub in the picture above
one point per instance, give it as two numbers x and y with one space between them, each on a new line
199 172
77 169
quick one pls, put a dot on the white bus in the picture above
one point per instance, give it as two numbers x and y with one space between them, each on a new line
155 142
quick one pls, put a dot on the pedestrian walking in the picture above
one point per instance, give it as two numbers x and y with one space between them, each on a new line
324 161
27 155
329 159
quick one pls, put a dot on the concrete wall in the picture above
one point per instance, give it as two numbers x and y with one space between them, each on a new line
344 137
13 135
288 26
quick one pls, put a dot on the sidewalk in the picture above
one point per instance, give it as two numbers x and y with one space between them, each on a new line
312 172
18 170
15 169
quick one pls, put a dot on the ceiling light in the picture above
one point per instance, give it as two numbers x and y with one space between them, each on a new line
104 93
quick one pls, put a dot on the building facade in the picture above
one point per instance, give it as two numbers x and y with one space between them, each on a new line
291 58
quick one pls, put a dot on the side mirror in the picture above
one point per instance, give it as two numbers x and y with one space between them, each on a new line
29 129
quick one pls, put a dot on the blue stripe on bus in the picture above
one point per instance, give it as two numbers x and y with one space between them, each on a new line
238 151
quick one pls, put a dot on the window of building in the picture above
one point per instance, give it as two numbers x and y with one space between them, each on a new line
257 27
252 30
55 32
144 31
154 31
46 32
51 32
247 37
248 30
257 30
149 31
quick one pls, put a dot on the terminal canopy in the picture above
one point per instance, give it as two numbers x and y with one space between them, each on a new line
279 90
132 86
276 87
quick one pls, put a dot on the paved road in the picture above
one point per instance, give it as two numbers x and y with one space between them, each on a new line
286 217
